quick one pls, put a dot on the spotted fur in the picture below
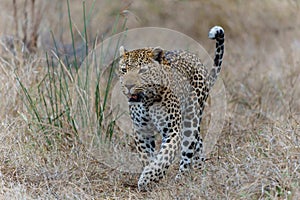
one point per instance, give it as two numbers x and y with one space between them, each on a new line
166 93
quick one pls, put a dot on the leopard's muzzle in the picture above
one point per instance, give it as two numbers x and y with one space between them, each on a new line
137 97
133 93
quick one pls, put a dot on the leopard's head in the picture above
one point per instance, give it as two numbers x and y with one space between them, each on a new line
136 71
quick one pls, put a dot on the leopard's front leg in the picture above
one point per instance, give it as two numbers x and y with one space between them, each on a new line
144 134
145 146
166 117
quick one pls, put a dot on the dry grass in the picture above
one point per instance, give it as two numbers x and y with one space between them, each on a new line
258 153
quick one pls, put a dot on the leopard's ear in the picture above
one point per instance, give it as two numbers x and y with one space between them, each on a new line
157 53
122 51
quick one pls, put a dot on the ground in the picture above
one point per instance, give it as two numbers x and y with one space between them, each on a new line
257 155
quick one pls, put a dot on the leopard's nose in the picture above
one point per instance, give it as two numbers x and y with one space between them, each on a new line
130 88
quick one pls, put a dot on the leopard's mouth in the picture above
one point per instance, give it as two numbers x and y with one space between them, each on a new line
135 97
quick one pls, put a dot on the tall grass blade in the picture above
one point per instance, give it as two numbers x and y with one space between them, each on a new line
72 36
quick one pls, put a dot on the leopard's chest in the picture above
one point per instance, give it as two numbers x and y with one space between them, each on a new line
140 117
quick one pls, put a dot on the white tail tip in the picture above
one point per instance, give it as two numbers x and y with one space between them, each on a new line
214 31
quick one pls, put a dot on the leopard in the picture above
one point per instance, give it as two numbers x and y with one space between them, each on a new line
167 92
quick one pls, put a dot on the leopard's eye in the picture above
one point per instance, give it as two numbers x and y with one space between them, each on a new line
143 70
124 70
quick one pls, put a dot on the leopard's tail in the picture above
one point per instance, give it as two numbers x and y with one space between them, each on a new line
216 33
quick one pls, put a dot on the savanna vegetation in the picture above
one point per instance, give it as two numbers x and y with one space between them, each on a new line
57 130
